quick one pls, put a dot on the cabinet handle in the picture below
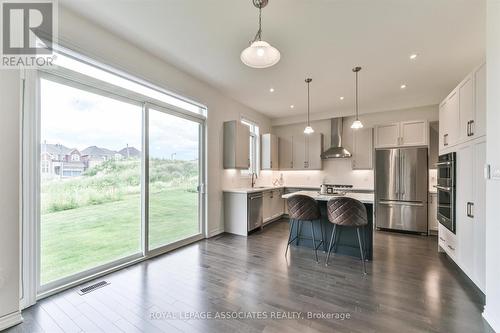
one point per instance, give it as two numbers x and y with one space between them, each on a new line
471 126
451 247
441 238
469 209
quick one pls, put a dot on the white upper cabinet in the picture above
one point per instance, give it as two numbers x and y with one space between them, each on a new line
414 133
285 152
362 154
479 125
466 108
462 115
449 121
306 152
236 145
299 152
314 149
269 148
402 134
387 136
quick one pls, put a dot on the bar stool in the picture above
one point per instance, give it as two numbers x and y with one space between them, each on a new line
347 212
302 208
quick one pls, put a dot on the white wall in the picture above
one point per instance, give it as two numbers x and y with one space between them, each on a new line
9 197
96 42
87 38
339 171
492 309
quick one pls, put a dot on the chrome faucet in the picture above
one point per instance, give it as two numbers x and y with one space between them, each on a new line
254 179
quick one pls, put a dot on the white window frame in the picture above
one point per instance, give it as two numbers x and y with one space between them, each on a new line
254 146
30 289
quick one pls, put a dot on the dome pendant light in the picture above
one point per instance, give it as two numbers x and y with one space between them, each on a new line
308 129
260 54
357 124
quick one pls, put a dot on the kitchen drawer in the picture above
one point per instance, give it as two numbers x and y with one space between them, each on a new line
448 242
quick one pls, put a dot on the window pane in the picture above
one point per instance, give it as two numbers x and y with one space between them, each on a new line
174 174
90 180
81 67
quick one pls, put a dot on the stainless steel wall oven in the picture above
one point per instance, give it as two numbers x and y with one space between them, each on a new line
446 190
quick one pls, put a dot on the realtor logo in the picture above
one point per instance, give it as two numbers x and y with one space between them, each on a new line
28 33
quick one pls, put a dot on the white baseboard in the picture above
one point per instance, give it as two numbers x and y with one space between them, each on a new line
10 320
491 321
215 232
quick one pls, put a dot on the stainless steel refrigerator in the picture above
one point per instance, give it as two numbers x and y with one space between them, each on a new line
401 187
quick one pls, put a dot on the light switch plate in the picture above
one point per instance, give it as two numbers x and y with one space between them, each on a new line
495 172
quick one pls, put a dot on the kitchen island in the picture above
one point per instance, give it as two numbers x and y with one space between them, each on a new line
347 242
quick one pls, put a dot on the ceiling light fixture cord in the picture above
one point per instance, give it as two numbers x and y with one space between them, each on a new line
258 35
357 114
308 101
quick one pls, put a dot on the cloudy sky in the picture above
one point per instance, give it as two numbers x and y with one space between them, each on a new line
79 119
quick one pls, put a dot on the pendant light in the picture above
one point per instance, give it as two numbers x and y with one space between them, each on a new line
357 124
308 129
260 54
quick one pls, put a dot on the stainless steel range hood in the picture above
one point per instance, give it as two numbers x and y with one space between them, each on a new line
336 150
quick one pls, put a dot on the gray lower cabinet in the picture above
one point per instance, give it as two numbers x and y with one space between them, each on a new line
273 205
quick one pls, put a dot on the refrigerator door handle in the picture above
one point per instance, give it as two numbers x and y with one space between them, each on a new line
398 177
403 185
401 203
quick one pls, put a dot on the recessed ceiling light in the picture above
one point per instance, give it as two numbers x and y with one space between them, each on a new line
403 86
271 89
292 106
413 56
341 98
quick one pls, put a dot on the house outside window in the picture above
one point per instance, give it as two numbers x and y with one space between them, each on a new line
254 147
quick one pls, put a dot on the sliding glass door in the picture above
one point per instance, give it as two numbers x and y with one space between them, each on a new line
174 178
119 179
90 184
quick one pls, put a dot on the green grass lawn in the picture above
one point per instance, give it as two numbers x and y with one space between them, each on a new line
82 238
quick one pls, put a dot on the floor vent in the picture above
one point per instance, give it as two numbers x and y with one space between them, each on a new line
92 287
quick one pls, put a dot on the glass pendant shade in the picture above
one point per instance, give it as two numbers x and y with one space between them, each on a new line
260 54
357 124
308 130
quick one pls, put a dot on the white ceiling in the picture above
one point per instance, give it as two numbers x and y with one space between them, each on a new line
322 39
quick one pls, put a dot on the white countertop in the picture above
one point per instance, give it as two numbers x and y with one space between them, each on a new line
247 190
263 188
363 197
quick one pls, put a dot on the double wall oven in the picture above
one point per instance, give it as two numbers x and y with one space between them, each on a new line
446 187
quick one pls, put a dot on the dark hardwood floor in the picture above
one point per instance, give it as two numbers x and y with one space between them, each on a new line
409 288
